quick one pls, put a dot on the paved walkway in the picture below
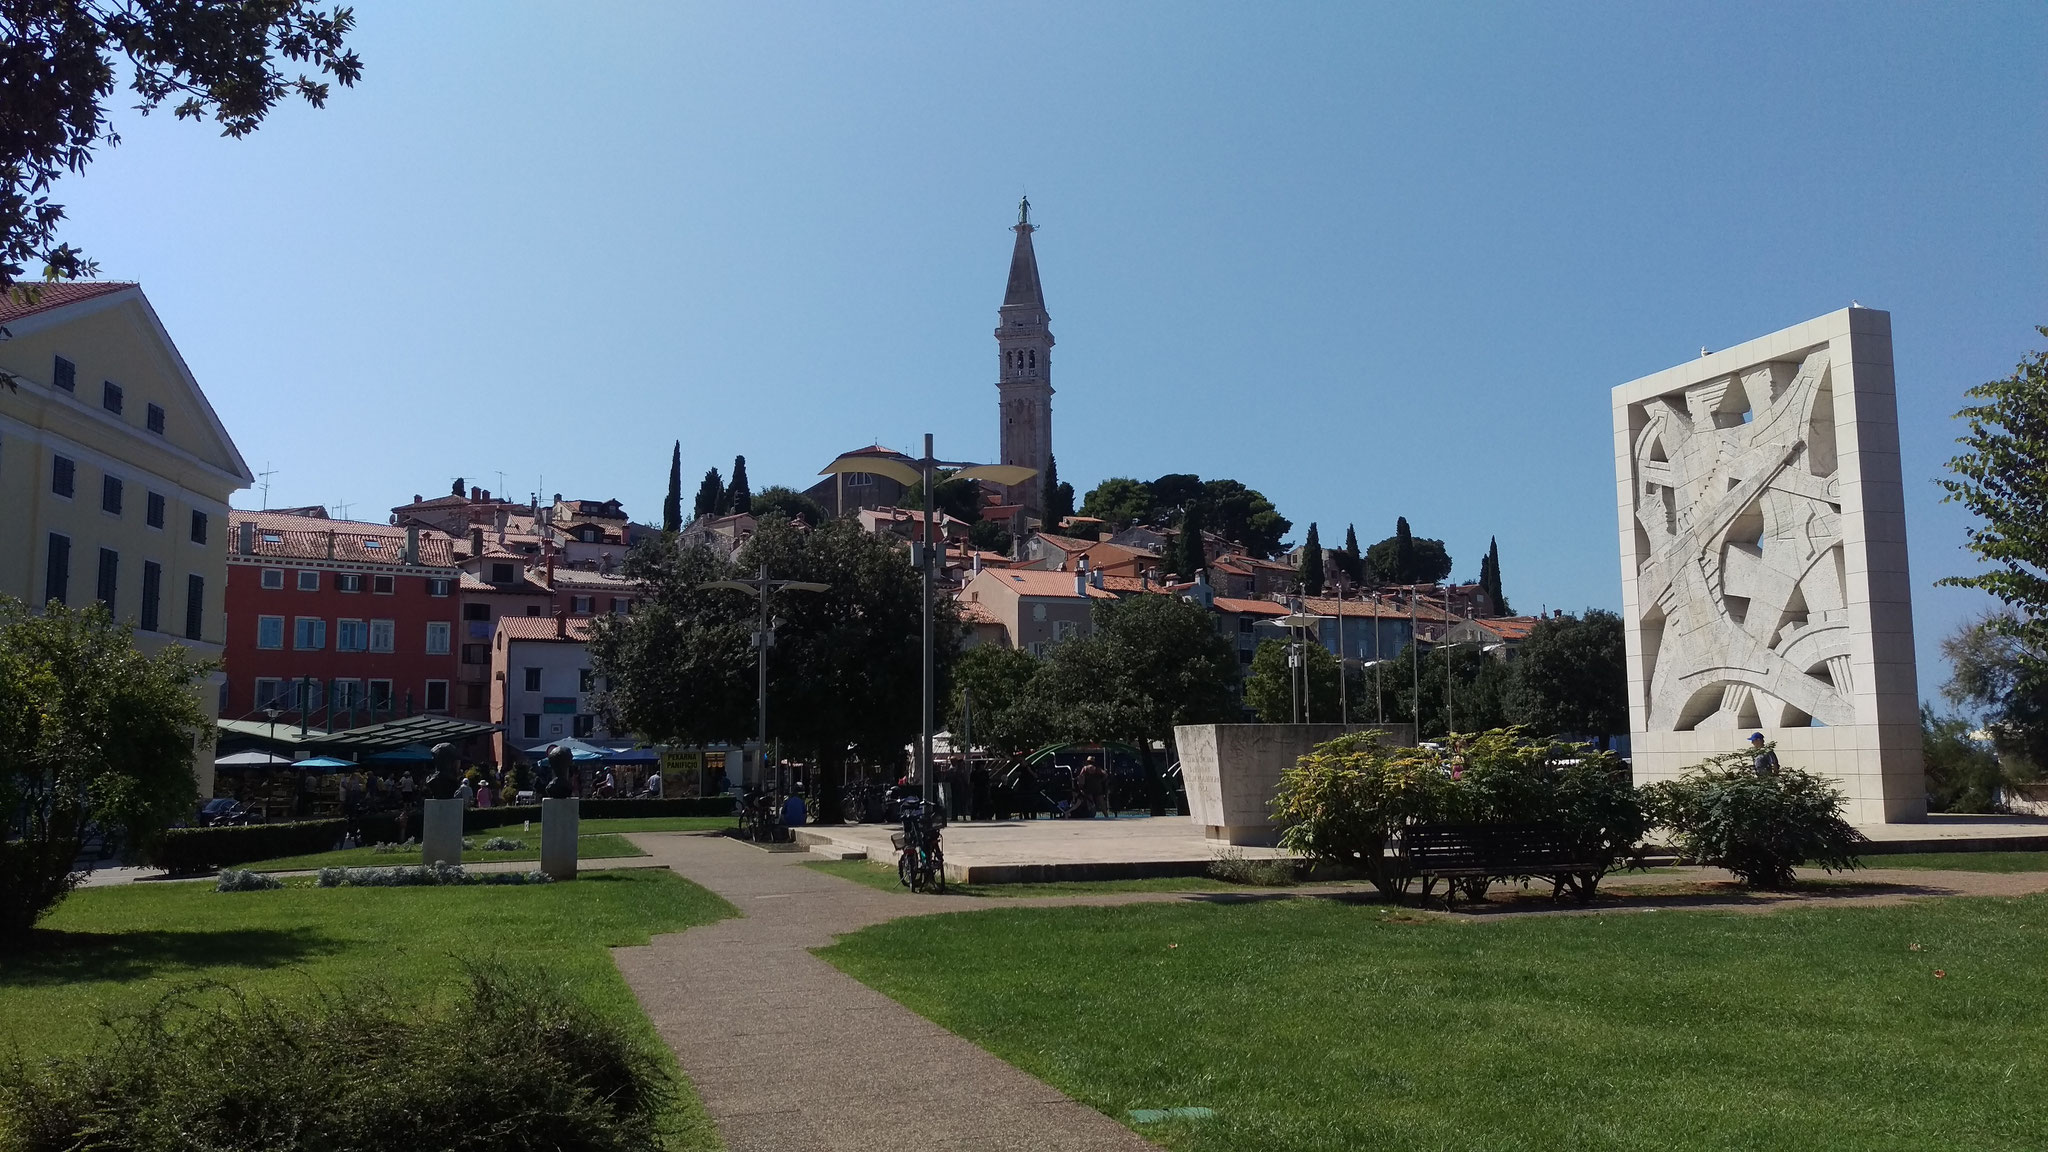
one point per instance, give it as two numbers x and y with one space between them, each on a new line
790 1054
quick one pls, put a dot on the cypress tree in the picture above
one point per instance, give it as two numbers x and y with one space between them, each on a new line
1189 558
710 495
1354 562
672 506
1312 563
738 497
1050 498
1404 552
1489 577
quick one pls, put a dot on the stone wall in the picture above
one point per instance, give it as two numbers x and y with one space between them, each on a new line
1232 771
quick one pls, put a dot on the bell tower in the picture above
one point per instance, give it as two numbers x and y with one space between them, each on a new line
1024 380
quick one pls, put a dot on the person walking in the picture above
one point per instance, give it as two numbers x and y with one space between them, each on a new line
1763 759
1027 791
1094 786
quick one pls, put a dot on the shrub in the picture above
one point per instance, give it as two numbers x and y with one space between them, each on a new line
1505 777
242 880
503 844
416 875
1757 826
1234 867
1346 798
34 875
187 851
513 1063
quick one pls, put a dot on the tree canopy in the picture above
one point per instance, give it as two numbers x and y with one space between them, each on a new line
1120 501
738 499
1404 558
1489 578
1312 562
1270 688
710 496
672 504
92 733
959 496
1226 507
59 63
789 503
2002 478
1571 677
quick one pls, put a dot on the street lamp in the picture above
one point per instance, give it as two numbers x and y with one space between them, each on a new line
761 586
921 471
1299 625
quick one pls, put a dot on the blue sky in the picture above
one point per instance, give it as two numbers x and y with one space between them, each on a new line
1373 260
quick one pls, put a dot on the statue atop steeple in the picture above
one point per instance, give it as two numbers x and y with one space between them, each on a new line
1024 211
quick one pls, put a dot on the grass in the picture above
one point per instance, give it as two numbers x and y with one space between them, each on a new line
883 876
600 847
1964 861
109 950
1312 1025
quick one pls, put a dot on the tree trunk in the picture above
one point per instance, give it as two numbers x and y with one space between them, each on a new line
831 776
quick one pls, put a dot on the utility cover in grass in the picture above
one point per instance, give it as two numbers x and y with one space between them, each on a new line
1156 1115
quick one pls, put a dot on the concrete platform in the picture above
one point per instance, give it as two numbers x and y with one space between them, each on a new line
1956 833
1026 851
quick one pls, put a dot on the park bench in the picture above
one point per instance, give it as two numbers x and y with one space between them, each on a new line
1469 857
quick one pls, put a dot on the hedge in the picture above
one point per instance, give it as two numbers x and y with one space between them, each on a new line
185 851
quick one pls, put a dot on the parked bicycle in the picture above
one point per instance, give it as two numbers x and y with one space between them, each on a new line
759 815
920 865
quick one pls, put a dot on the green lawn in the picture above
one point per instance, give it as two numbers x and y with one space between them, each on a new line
884 876
1964 861
588 847
118 948
641 824
1329 1025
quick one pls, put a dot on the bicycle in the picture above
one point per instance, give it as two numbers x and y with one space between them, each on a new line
920 865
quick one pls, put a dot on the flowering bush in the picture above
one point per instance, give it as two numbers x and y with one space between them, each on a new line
503 844
243 880
411 875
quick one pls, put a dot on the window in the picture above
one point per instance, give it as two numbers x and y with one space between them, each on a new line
273 578
584 681
1244 655
270 632
307 694
437 695
1065 629
65 375
476 653
383 585
272 693
195 607
532 679
309 634
110 494
153 510
473 696
501 573
581 605
533 609
57 573
621 606
1244 624
373 544
110 396
198 527
62 474
859 479
348 694
309 581
439 587
351 636
348 582
476 611
529 725
110 575
380 696
156 419
437 638
383 635
585 724
152 594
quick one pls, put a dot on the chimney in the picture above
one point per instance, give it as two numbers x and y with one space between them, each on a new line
561 623
475 494
1202 577
1081 583
330 543
476 543
487 495
977 562
501 518
412 544
1095 578
551 564
248 537
415 497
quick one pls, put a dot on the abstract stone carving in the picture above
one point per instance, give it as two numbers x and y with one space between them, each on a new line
1764 568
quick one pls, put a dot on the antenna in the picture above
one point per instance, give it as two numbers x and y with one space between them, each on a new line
501 480
343 506
265 476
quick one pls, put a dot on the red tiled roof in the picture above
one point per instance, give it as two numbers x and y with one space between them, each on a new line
14 304
1250 607
1067 543
307 538
1025 582
1510 627
1352 607
1131 584
543 628
975 612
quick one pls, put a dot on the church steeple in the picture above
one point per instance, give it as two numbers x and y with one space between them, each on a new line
1024 381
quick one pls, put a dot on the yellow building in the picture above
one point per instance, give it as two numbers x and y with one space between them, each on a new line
114 469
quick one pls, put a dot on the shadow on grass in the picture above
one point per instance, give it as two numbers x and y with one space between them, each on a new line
55 957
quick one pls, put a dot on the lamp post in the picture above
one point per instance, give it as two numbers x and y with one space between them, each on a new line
924 471
1299 626
764 638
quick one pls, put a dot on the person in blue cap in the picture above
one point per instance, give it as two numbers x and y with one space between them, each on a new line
1764 760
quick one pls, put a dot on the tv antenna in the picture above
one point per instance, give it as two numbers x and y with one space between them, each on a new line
265 476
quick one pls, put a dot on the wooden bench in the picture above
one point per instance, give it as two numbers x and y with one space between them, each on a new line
1469 857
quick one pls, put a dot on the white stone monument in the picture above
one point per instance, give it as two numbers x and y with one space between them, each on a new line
1763 560
441 832
558 830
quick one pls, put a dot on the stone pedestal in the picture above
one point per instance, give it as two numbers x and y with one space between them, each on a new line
558 838
1232 771
441 832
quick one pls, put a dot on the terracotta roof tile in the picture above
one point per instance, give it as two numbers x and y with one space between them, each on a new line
1250 607
50 295
543 628
1026 582
306 538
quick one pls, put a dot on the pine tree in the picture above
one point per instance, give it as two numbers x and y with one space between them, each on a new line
1354 561
1404 552
1050 499
738 497
1312 562
672 506
1189 559
710 496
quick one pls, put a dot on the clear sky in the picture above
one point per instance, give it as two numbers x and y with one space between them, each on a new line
1373 260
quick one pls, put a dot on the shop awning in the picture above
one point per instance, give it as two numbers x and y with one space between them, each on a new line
370 739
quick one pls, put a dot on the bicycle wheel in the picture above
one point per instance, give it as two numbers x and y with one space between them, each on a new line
906 868
935 864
